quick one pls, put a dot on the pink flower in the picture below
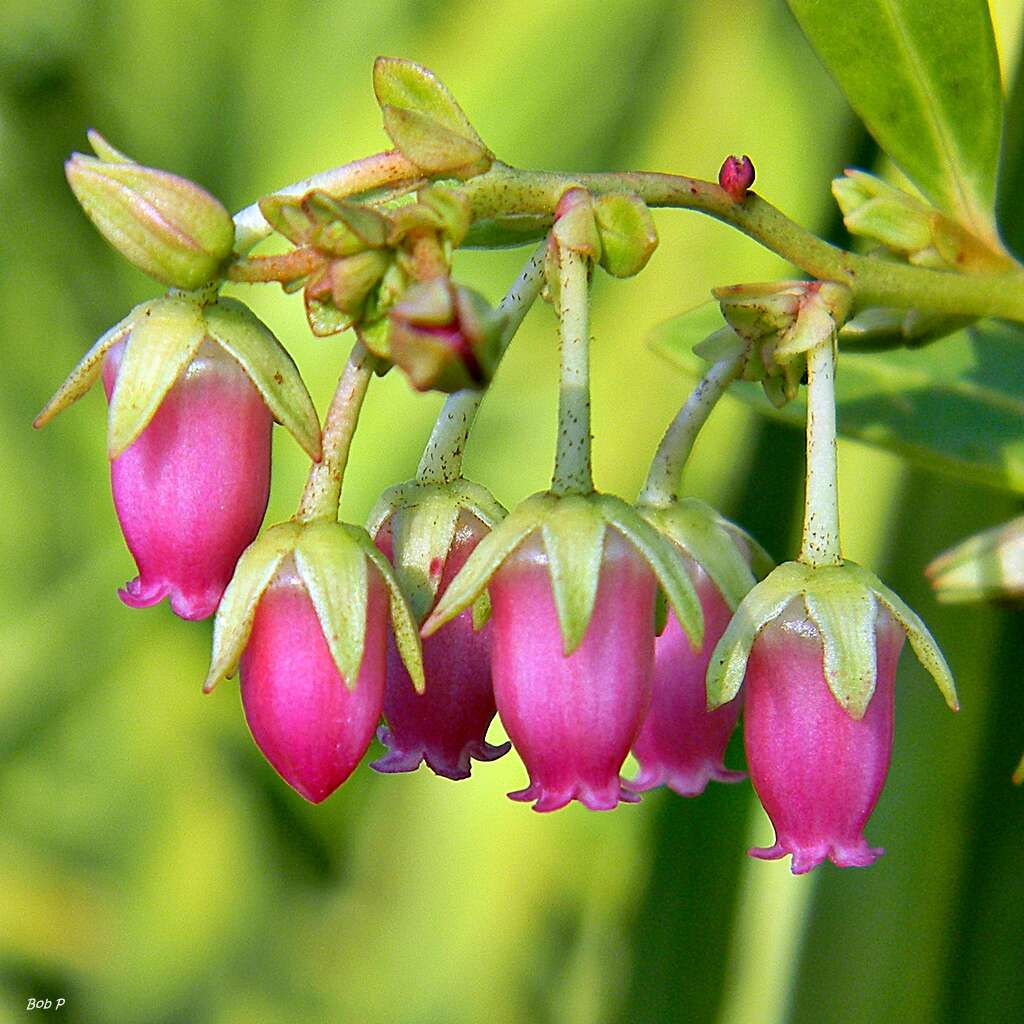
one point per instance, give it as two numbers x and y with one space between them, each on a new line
191 490
311 726
817 770
447 724
682 744
573 718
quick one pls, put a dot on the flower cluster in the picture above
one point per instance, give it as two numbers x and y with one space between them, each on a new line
590 626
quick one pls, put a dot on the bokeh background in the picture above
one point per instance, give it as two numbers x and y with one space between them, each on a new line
154 870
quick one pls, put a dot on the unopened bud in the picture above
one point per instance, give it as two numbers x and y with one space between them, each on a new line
167 226
445 337
989 565
736 176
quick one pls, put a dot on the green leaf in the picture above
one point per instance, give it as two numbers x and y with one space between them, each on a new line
269 366
333 568
573 534
403 623
237 609
955 406
664 559
764 603
89 367
162 342
844 612
424 120
924 78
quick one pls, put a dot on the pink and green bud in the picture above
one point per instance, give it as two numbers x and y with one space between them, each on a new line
736 176
445 337
193 391
306 619
818 771
572 581
166 225
572 718
445 725
312 724
817 648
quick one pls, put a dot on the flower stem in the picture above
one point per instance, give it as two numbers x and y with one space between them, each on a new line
662 484
508 195
442 457
820 543
323 486
377 171
572 456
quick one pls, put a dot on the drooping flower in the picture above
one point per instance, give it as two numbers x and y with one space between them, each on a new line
572 582
818 648
447 723
305 619
193 389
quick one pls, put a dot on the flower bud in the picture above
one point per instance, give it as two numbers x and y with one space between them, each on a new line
447 723
445 337
311 724
167 226
573 717
736 176
817 770
987 566
191 490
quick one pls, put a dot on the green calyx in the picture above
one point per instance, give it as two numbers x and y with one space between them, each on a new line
331 561
728 554
573 530
423 518
161 338
986 566
843 603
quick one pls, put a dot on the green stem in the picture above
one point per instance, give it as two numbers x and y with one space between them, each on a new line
572 456
442 457
820 544
524 202
372 172
663 479
323 486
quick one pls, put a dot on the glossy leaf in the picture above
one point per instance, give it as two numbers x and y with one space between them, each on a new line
924 78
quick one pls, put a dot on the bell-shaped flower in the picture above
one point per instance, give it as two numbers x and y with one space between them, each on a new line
306 620
193 391
428 531
682 744
818 648
572 583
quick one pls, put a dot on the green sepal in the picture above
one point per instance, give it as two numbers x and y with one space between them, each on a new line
269 366
573 532
485 560
628 234
237 609
90 366
403 623
332 565
162 342
481 611
712 542
765 602
105 151
921 640
986 566
475 498
425 122
421 537
845 613
665 561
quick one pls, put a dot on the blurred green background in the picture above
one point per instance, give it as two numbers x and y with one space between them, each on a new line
153 869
